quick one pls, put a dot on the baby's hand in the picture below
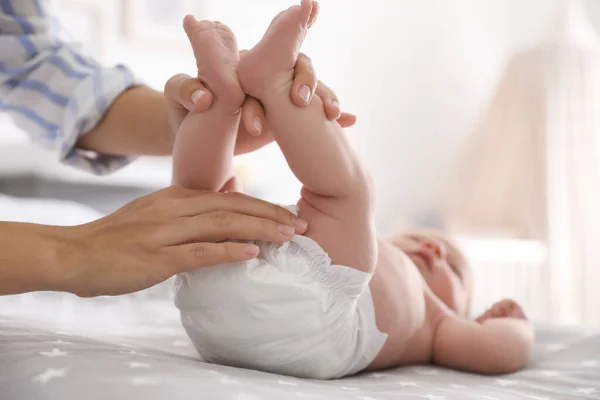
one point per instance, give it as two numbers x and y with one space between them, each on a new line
506 308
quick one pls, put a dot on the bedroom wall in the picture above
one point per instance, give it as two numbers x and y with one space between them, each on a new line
416 72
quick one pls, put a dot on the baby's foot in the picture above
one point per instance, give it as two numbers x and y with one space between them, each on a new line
216 52
270 64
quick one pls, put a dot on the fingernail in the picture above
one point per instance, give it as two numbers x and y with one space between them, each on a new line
286 230
299 223
304 93
257 123
197 94
251 250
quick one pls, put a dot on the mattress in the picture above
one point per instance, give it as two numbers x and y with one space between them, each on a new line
57 346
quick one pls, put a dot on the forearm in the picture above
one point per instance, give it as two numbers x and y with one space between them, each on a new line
511 341
316 149
204 149
501 345
30 257
136 123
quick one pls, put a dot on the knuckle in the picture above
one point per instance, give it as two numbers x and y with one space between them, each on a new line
281 214
235 197
221 219
306 59
199 253
229 251
190 85
174 81
172 191
266 225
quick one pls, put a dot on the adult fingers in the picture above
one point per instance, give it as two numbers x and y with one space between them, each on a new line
253 116
190 256
205 202
219 226
305 82
346 120
330 101
185 92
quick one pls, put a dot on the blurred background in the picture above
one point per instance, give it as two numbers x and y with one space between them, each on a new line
465 119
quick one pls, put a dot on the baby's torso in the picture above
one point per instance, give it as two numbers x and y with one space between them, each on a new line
405 309
338 298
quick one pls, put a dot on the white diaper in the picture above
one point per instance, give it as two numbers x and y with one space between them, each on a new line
290 311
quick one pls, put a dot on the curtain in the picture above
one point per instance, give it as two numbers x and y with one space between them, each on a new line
532 169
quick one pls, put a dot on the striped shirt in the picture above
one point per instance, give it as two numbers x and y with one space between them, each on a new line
50 89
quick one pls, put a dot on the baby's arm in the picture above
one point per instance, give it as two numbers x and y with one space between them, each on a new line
496 346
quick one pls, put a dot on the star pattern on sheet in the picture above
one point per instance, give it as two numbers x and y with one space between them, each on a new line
58 341
226 380
433 397
428 371
589 363
50 374
133 353
591 390
506 382
550 373
407 384
555 347
53 353
138 365
378 375
286 383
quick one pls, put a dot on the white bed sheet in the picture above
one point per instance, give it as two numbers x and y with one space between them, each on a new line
55 346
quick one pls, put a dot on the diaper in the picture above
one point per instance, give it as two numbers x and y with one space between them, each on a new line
290 311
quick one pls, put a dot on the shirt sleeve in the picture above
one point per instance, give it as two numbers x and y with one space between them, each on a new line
50 89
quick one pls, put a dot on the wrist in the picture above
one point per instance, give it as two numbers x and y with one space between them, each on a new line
32 257
136 124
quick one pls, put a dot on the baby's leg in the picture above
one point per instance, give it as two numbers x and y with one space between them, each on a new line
205 142
336 196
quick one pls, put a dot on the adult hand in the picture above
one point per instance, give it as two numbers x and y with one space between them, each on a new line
186 94
167 232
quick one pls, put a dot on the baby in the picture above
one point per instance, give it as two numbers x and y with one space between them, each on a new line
337 300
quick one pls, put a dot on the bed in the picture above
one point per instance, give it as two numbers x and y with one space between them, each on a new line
55 346
58 346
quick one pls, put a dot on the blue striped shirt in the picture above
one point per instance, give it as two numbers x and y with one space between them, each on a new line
50 89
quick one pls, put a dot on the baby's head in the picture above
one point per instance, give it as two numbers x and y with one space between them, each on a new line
441 263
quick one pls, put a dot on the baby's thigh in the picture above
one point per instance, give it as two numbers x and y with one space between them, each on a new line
345 230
